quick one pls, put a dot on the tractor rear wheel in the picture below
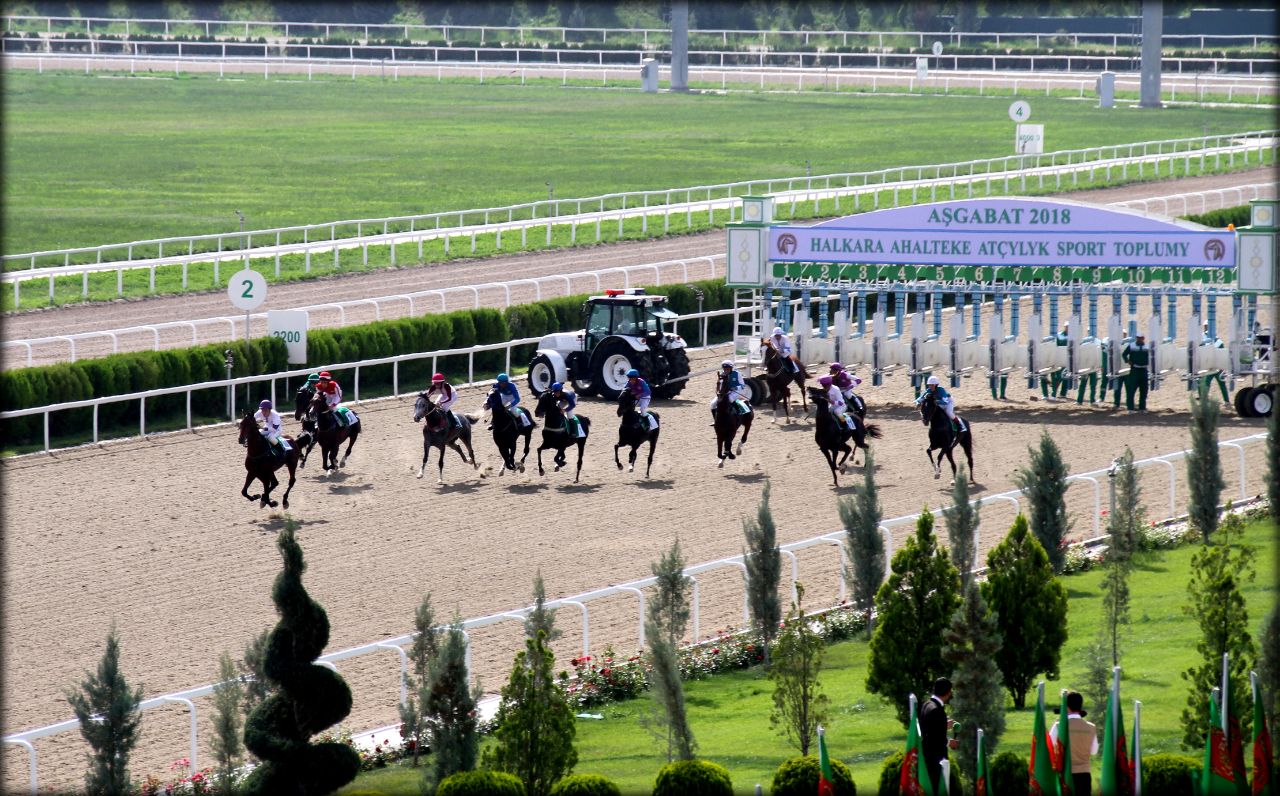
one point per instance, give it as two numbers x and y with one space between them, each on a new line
541 374
613 359
677 373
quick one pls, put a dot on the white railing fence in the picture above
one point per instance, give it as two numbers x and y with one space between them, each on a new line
579 603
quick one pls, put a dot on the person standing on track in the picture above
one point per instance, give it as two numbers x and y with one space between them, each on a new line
1138 356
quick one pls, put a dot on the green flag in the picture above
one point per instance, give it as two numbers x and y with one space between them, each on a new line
1263 779
1062 750
913 778
1117 776
980 783
1216 776
1042 778
826 777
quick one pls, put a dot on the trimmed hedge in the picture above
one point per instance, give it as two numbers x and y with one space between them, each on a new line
799 777
1170 774
1221 218
585 785
891 770
481 783
693 778
1009 774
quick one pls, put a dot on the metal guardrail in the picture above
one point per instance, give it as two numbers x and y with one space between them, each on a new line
835 538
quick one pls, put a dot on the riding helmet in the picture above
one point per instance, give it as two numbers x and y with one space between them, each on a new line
324 375
933 380
836 366
556 386
633 373
728 363
503 378
777 330
264 404
437 378
825 381
314 377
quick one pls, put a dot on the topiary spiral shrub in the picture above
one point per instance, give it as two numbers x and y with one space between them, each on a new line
799 777
585 785
308 697
693 778
1170 774
481 783
1008 774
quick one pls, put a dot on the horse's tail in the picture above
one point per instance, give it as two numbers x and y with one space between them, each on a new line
873 431
472 418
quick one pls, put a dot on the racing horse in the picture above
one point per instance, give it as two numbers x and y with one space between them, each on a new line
437 432
329 434
779 376
727 423
943 438
300 403
634 432
555 433
261 463
833 438
507 431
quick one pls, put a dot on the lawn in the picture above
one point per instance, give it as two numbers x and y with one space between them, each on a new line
104 159
729 713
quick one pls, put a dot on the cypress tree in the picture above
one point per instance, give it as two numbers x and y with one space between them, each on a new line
860 514
1128 517
425 647
972 642
449 709
110 722
764 571
1204 468
540 619
667 618
228 696
668 608
1044 482
799 705
1030 607
962 524
308 698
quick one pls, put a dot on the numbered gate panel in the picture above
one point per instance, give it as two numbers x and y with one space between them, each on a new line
1088 357
972 354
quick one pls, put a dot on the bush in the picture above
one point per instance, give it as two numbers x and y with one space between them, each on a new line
799 777
693 778
1009 775
1170 774
481 783
891 770
585 785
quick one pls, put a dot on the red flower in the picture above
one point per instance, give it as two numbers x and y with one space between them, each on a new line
715 651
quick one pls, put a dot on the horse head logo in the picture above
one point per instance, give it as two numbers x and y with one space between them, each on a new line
787 243
1214 250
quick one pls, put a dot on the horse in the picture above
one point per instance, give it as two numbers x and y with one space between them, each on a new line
634 432
507 431
300 403
261 463
329 434
942 437
555 433
779 376
832 437
437 432
727 422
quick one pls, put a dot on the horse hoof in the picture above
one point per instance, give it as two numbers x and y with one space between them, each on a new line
521 468
558 466
631 469
936 476
953 482
440 481
619 468
419 473
721 465
739 447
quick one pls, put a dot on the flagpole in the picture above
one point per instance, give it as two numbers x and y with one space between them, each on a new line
1115 696
1137 748
1226 658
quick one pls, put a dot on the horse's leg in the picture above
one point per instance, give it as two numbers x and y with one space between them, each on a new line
466 440
653 443
830 456
616 460
541 448
351 443
248 479
292 477
582 446
746 429
266 494
967 443
528 438
722 447
846 451
937 468
426 453
951 459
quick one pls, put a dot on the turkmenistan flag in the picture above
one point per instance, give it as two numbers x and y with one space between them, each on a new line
1117 776
826 777
980 784
913 778
1263 781
1216 775
1135 751
1062 752
1042 776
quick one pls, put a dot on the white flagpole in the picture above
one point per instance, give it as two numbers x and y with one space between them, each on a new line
946 775
1226 658
1115 696
1137 748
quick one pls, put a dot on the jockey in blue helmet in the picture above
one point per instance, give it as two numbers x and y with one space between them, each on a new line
510 397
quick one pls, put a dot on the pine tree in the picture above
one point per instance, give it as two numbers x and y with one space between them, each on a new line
535 725
107 709
1044 482
915 606
1204 468
799 705
449 709
860 514
228 696
307 699
540 619
426 646
667 617
764 571
1097 670
1218 571
1128 516
1115 593
668 608
962 524
972 642
256 685
1030 607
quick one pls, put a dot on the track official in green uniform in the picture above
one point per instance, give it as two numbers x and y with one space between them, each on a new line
1091 381
1056 385
1138 357
1206 383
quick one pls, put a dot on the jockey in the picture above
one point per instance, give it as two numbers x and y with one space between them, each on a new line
782 344
836 405
332 393
268 420
728 373
841 378
639 389
567 401
943 398
510 397
444 397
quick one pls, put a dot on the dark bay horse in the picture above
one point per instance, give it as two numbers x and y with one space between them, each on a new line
833 437
300 403
261 463
779 376
943 438
727 423
633 432
329 434
556 436
437 432
507 431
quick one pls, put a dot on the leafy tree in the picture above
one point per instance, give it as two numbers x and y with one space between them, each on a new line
1044 482
973 639
764 571
107 709
799 705
667 617
449 708
1216 604
915 606
228 695
1204 467
425 647
860 514
962 524
308 698
541 618
1030 607
535 725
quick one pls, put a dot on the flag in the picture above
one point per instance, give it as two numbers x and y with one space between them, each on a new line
1135 753
1216 776
1042 774
1062 750
826 777
1263 781
980 784
1117 776
913 778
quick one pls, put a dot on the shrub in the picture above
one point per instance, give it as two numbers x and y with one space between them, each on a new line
1008 775
1170 775
585 785
481 783
889 773
799 777
693 778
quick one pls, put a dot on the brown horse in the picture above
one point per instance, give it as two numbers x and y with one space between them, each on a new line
727 422
778 375
262 463
329 434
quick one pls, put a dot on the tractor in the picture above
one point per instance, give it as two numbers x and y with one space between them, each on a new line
624 330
